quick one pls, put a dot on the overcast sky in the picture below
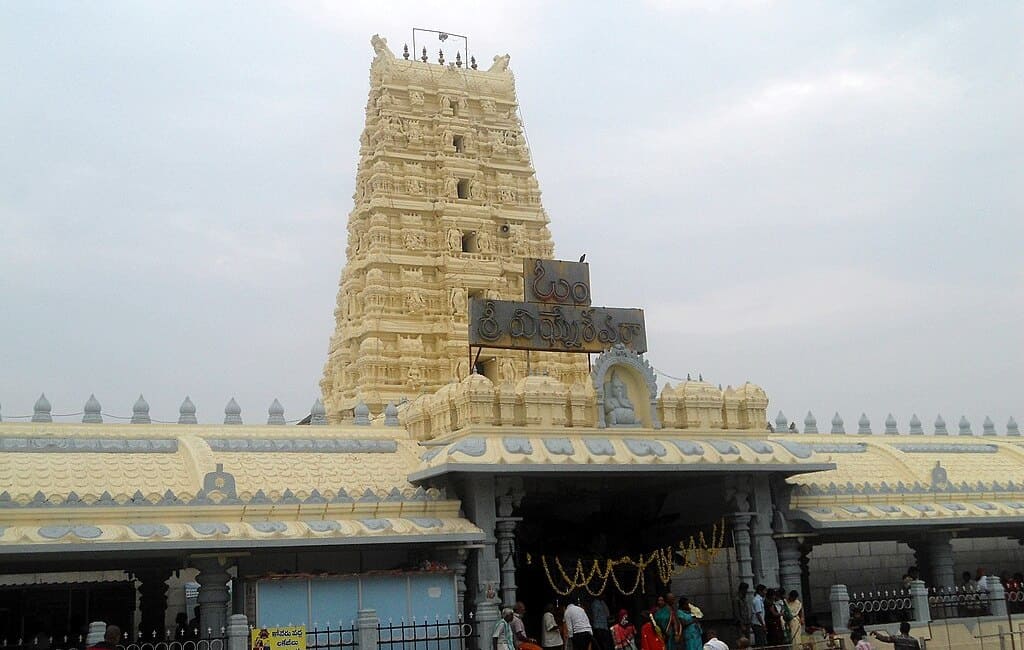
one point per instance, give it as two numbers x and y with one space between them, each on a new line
822 198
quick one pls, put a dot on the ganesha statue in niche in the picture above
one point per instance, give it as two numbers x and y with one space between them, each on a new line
618 408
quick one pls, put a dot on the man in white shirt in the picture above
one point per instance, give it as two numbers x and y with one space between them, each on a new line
577 626
713 642
502 637
550 634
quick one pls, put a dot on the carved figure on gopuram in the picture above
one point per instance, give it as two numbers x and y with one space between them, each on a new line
618 409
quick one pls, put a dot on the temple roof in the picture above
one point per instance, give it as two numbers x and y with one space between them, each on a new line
911 480
160 486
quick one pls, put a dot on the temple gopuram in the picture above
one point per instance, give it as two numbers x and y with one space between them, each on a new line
488 431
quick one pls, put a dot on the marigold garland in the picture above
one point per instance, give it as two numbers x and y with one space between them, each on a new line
695 553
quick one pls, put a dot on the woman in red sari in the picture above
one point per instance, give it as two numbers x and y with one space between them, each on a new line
651 637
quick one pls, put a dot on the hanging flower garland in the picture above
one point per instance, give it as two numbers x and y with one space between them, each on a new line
695 552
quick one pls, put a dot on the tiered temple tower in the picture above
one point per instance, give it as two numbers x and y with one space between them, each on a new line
446 207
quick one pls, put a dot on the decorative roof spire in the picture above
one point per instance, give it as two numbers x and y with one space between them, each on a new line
232 412
405 51
362 414
837 424
781 422
458 59
276 413
440 57
915 426
810 424
187 412
317 413
940 426
890 426
91 411
1011 427
424 57
988 427
472 62
965 426
140 411
391 415
864 425
41 410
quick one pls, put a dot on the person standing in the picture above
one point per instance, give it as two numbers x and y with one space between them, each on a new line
713 643
577 627
757 620
111 637
796 620
901 641
743 606
502 638
692 637
623 632
599 616
550 632
651 637
522 641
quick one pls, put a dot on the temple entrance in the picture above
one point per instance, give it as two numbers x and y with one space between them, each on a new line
566 520
59 610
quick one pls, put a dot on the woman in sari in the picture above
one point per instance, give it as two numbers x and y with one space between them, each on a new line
651 637
774 625
668 622
623 632
796 621
693 638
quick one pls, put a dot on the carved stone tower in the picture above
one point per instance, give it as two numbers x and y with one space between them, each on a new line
446 207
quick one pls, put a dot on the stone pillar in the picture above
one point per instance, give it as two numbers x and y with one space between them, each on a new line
922 559
366 629
741 542
805 576
839 599
789 563
238 632
765 554
483 572
213 596
152 602
940 556
919 601
459 567
237 592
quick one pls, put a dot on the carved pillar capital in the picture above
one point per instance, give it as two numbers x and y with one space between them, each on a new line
213 595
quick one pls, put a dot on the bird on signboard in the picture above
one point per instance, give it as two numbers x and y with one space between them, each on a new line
583 257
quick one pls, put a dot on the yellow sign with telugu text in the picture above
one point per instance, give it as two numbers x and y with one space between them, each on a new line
292 637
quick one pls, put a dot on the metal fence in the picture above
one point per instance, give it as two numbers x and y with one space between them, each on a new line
428 635
958 602
331 638
875 608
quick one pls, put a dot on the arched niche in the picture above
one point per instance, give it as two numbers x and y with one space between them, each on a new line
632 370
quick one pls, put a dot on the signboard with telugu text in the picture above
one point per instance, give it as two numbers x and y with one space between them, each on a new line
556 315
292 637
